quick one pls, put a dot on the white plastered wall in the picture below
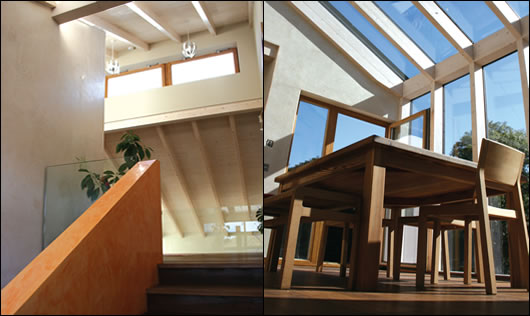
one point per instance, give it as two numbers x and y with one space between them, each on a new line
52 111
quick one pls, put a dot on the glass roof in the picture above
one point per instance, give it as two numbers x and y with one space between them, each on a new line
418 28
374 37
520 7
474 18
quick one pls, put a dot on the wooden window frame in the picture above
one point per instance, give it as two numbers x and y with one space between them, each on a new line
327 148
166 67
426 117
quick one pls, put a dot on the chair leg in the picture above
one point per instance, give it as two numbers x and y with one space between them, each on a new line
344 250
272 236
322 248
398 242
394 217
422 252
293 225
428 262
479 266
275 254
353 256
435 252
445 256
467 251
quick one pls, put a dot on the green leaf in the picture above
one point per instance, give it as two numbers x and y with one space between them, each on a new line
131 164
140 151
122 168
83 170
148 153
84 182
109 172
131 151
90 184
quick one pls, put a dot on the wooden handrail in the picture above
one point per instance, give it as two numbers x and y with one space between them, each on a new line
104 261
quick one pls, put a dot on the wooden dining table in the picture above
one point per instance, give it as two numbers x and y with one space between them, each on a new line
383 173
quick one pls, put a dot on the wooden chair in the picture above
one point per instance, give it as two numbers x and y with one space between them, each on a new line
344 244
501 165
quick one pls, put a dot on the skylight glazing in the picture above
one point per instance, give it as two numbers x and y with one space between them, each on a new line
474 18
418 28
520 7
371 34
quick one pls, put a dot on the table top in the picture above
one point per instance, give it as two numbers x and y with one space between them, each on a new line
414 176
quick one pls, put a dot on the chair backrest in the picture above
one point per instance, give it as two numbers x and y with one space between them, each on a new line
501 163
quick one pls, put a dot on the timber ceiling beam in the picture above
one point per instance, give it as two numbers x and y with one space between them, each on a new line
180 179
347 43
209 173
239 163
142 9
66 11
115 31
396 36
447 27
206 18
507 16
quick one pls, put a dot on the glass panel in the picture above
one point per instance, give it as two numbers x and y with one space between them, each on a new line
506 124
520 7
421 103
204 68
351 130
376 38
308 137
418 28
475 19
410 132
135 82
64 200
457 119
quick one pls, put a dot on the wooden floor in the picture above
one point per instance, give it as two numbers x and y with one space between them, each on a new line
324 293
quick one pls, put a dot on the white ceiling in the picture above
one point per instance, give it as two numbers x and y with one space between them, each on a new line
181 16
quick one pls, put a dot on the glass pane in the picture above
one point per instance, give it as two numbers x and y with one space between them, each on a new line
64 200
351 130
457 119
506 124
418 28
308 138
520 7
410 132
135 82
473 17
421 103
204 68
376 38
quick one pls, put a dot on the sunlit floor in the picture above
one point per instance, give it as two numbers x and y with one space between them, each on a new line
324 293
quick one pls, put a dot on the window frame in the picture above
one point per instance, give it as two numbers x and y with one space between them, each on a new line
166 67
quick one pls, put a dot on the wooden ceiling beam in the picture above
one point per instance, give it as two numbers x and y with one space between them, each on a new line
239 163
206 18
507 16
142 9
180 179
66 11
209 173
115 31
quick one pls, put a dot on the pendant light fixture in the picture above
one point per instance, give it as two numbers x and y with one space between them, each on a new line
188 48
113 67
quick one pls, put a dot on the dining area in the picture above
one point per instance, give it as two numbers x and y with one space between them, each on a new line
353 186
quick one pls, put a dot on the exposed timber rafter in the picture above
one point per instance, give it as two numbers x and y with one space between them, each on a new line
239 163
115 31
180 179
209 174
396 36
205 16
446 27
142 9
507 16
66 11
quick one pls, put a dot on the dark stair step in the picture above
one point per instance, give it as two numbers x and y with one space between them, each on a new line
191 274
205 300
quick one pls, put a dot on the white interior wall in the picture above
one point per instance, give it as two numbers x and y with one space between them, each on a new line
52 111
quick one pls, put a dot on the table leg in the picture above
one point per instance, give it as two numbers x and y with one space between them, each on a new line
421 251
467 250
293 225
275 253
394 218
435 252
322 248
398 243
344 250
445 256
370 225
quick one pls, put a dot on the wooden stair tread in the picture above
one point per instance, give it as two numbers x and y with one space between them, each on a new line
208 290
211 265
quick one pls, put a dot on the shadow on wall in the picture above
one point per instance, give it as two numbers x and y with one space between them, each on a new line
346 64
273 158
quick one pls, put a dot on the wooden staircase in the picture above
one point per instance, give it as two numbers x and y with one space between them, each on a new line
217 284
